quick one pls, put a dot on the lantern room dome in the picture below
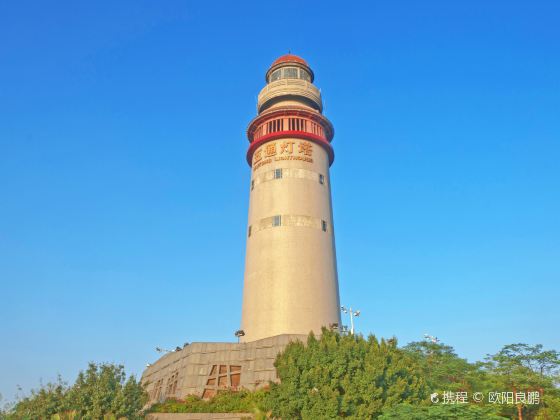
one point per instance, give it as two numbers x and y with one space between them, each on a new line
291 63
290 58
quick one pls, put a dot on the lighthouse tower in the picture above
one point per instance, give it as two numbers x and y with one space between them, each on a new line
290 284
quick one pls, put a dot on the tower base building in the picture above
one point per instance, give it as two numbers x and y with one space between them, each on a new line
203 369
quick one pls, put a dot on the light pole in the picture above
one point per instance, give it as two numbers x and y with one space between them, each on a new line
352 315
161 350
239 334
431 338
434 340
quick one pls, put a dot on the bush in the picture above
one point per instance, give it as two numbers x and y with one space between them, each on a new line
343 376
440 412
223 402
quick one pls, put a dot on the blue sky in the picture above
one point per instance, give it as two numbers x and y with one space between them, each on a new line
124 186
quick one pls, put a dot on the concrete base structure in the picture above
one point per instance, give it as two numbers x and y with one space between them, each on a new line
203 369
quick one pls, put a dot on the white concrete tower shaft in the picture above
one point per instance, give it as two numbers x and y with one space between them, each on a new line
291 283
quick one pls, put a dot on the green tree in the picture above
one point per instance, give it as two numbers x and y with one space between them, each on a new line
445 371
43 403
521 368
534 364
345 376
102 391
550 409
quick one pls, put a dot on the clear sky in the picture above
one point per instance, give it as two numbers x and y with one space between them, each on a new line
124 186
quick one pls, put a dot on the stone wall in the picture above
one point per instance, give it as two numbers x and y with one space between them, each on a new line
203 369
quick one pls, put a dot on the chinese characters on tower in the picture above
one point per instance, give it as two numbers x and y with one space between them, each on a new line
283 150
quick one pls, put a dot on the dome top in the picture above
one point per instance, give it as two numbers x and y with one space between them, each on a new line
289 58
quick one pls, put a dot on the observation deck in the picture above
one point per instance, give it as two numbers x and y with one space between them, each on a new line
289 88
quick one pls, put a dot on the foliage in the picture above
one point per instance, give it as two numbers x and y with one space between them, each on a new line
550 409
515 368
349 376
445 371
223 402
440 412
333 376
43 403
345 376
521 367
102 391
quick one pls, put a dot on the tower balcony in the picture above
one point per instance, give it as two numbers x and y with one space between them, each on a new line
289 87
290 123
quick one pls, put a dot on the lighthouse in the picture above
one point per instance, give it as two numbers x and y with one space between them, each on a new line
290 285
290 281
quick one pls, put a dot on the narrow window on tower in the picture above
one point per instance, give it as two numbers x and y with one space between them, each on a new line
278 173
252 184
321 179
277 221
324 225
249 231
